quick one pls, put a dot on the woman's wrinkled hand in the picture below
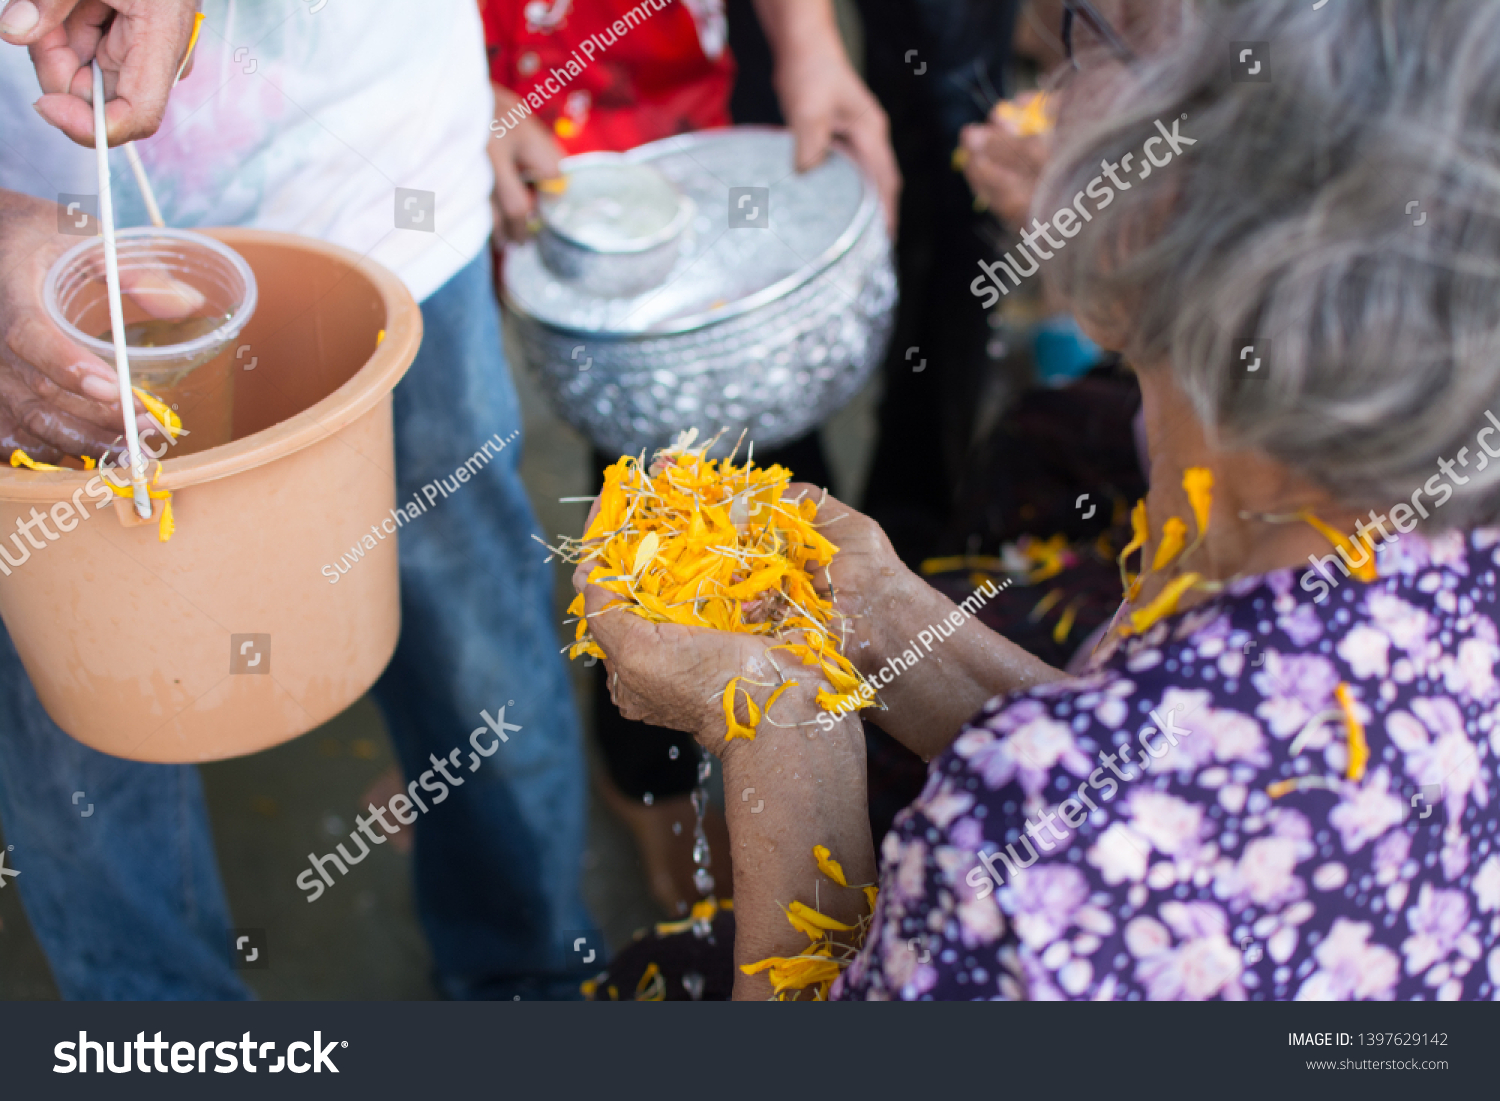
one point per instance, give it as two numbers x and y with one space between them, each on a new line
866 578
674 676
669 675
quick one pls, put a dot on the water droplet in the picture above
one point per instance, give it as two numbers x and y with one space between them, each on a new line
677 828
703 880
672 753
692 982
700 852
648 799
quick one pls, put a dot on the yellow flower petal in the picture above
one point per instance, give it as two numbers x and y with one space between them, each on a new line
1173 538
1359 748
733 727
161 411
776 695
1140 531
20 458
643 986
799 974
1028 113
828 866
1164 604
760 965
1198 481
813 917
1366 571
646 552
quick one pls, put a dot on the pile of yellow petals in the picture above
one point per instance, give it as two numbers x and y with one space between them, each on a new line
703 543
171 422
825 958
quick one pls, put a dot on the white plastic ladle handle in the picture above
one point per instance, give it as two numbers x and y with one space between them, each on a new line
139 492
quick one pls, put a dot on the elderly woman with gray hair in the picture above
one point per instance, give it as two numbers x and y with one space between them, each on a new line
1276 778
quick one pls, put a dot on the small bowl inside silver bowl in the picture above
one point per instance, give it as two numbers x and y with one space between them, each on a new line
616 229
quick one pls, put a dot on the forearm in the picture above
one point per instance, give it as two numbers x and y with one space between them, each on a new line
797 27
809 789
927 704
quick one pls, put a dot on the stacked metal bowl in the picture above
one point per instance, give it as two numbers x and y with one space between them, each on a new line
762 302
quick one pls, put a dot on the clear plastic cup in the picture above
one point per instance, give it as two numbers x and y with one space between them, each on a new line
185 298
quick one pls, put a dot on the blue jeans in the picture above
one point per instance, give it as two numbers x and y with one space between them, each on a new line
498 863
128 904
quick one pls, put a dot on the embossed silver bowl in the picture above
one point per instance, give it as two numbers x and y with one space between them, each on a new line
777 310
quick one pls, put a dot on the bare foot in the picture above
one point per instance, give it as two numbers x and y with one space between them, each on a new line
664 836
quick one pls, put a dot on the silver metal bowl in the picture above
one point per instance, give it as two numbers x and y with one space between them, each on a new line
616 229
775 313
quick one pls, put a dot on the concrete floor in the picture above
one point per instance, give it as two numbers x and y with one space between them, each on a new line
363 941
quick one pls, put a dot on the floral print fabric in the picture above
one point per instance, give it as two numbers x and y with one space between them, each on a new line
1239 861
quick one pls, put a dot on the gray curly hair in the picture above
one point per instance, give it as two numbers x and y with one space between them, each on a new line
1289 221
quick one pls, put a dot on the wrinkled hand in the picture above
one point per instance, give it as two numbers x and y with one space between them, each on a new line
139 45
823 98
674 676
1003 168
669 675
55 398
868 578
527 152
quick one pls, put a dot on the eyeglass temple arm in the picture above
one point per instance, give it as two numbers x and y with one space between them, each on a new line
1100 26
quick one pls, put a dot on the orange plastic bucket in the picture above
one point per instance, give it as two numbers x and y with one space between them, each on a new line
229 638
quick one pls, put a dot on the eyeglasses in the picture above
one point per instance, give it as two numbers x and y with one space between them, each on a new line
1084 12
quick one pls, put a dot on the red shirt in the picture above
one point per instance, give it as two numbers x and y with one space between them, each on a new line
612 74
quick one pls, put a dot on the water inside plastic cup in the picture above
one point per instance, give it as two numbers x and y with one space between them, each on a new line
186 298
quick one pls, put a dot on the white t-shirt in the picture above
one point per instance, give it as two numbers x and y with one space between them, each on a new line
301 116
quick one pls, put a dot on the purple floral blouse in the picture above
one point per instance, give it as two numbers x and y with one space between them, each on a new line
1044 860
